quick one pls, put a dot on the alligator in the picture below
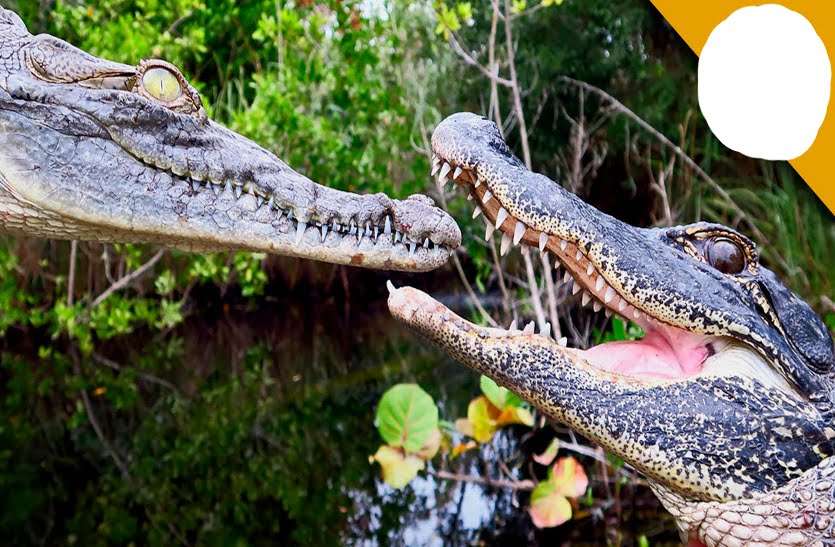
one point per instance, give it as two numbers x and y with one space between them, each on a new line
97 150
725 405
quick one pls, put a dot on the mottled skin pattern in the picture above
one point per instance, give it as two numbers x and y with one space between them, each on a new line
91 149
738 449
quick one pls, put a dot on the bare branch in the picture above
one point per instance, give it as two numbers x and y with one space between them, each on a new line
524 485
127 279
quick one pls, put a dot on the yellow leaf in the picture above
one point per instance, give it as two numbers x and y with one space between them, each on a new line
548 507
548 455
482 415
431 446
514 415
398 469
460 448
569 477
464 427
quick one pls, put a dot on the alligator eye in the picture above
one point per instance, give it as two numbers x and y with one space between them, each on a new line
162 84
726 256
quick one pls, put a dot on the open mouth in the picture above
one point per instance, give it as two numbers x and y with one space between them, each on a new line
664 353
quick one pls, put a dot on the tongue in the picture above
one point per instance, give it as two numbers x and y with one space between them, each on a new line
665 355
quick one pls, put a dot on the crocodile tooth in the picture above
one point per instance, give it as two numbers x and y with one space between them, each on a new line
426 242
469 197
622 305
376 232
608 312
547 330
259 201
488 195
412 246
324 229
436 164
505 244
444 172
488 229
567 277
636 314
563 341
579 256
586 297
563 244
512 325
397 236
300 228
610 294
476 182
229 187
476 212
518 232
501 217
543 240
457 173
216 189
271 203
597 306
575 288
195 185
387 226
529 328
599 283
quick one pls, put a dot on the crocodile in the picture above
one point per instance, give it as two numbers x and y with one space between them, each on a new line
96 150
725 405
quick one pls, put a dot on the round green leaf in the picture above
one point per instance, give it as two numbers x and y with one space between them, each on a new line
406 417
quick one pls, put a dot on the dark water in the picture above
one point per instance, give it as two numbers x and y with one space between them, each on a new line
284 388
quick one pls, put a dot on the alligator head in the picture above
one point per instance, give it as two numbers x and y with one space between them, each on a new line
92 149
729 394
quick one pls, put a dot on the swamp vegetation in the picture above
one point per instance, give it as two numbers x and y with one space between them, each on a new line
159 397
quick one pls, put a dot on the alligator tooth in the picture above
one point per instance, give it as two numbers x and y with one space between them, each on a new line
586 298
442 175
563 341
488 229
597 306
529 328
512 325
622 305
599 283
567 277
486 197
476 212
505 244
501 217
518 232
579 256
543 240
457 173
387 227
300 228
563 244
589 269
610 294
575 288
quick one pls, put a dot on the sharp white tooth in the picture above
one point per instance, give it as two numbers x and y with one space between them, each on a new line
485 199
636 314
238 191
543 240
398 236
518 232
512 325
436 165
563 244
529 328
563 341
501 217
444 172
579 256
585 298
567 277
324 232
610 294
469 197
597 306
608 313
376 232
456 173
622 305
194 185
505 244
547 330
599 283
589 269
387 227
476 212
216 188
271 203
476 182
412 247
300 228
575 288
426 242
488 229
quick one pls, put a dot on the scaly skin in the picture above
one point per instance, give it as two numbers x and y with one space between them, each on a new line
736 440
96 150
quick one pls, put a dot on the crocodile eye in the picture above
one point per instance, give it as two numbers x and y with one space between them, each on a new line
162 84
726 256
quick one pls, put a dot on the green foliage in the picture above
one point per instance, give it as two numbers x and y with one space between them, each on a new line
406 417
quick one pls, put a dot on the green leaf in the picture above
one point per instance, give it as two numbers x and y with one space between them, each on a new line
407 417
500 397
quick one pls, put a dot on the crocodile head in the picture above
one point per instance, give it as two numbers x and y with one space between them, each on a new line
92 149
729 393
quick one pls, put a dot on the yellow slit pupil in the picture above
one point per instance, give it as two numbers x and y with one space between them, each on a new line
161 84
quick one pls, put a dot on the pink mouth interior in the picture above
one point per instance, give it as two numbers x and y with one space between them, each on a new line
664 353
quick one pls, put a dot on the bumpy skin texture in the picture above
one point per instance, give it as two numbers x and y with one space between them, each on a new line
89 149
739 453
